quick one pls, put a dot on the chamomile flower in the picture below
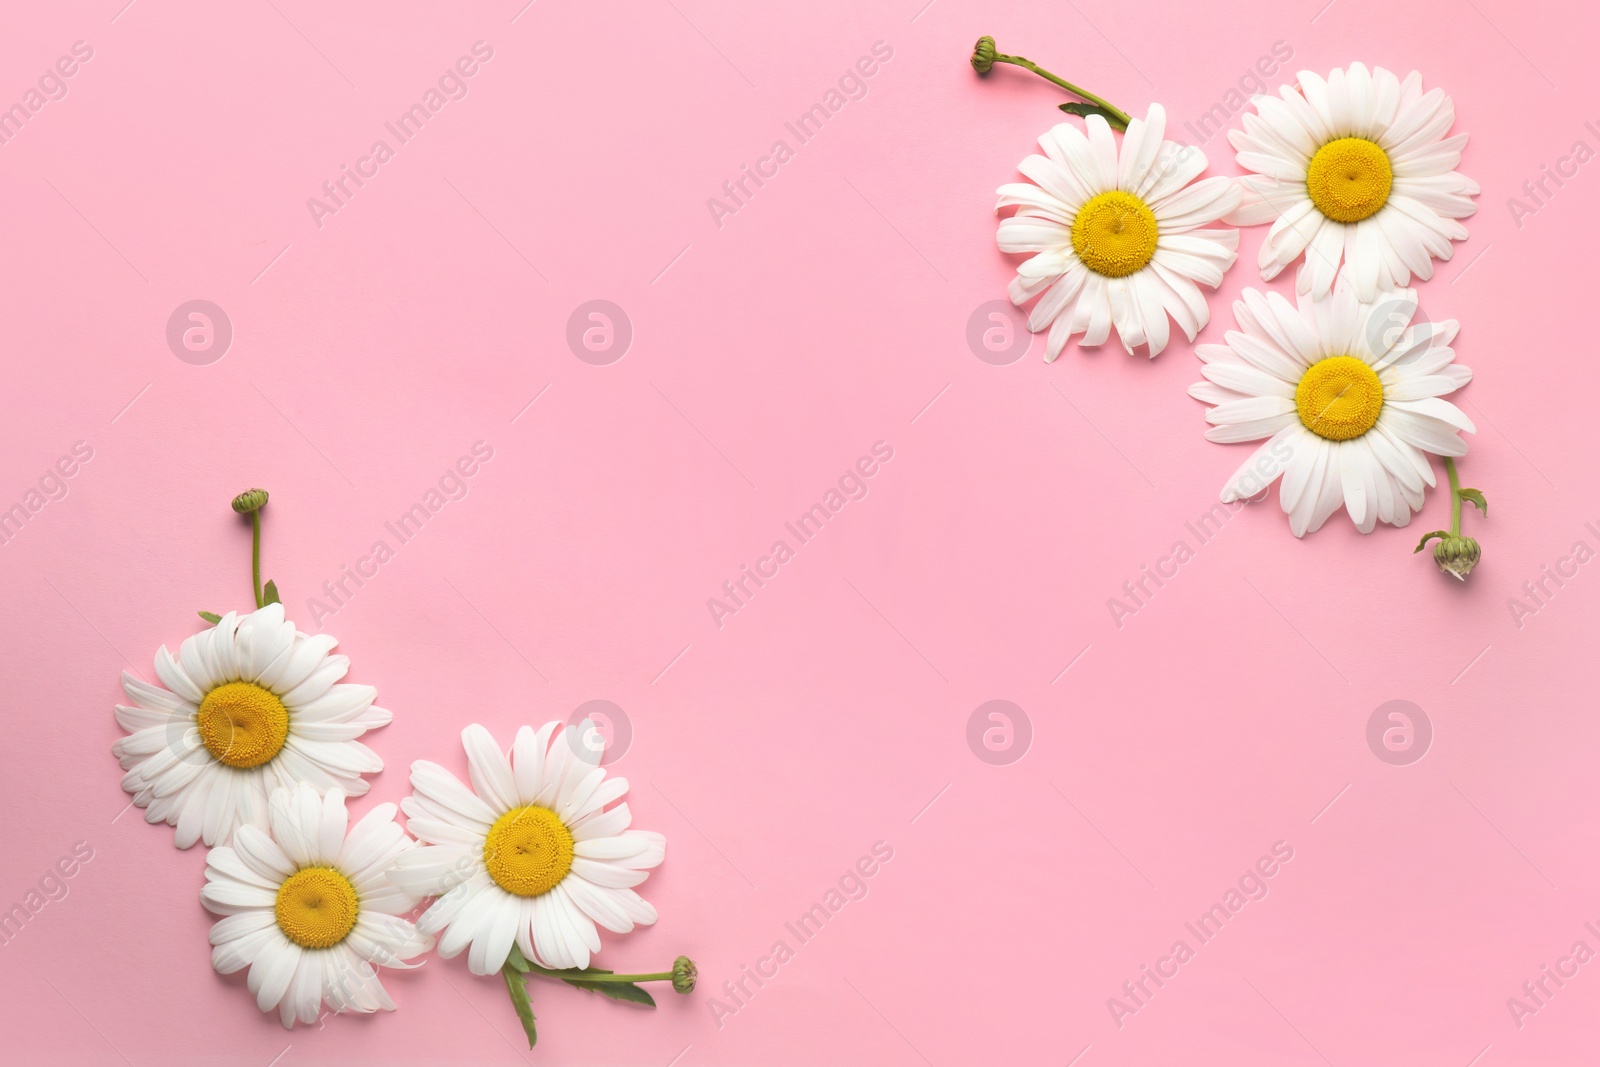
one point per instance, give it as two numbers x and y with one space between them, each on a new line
244 708
1348 397
310 909
1354 169
537 853
1119 239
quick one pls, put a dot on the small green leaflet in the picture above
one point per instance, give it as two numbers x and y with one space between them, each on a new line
1085 110
517 986
1475 496
615 990
210 616
1441 534
627 991
269 593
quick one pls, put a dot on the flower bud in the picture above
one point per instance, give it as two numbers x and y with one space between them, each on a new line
250 500
683 974
1456 556
983 55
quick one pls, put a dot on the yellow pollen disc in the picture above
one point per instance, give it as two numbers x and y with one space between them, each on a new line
1115 234
1339 398
528 851
317 907
1349 179
243 724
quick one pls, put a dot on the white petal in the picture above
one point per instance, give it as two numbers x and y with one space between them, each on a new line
1103 147
1357 492
272 972
172 676
1265 464
443 788
489 769
1321 464
1140 144
495 937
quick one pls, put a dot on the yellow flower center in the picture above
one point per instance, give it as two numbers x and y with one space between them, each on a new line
528 851
1339 398
317 907
1349 179
243 724
1115 234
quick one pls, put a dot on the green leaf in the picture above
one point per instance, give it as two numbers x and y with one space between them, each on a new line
210 616
1441 534
615 990
269 593
578 978
1085 110
517 986
1475 496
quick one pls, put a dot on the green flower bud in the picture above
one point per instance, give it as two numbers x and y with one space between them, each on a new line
983 55
683 974
250 500
1456 556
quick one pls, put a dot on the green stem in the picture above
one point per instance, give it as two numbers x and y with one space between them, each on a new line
1028 64
1455 497
255 553
664 976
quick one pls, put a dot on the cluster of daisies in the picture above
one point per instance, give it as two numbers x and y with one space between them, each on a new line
1344 387
251 744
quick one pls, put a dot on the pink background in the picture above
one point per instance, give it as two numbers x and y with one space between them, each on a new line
768 354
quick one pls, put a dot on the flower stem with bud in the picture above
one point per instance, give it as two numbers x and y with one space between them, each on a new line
250 502
616 986
682 976
984 57
1456 555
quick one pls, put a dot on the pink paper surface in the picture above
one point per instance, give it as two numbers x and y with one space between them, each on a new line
771 348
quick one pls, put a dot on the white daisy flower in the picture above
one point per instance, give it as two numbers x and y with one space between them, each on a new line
531 855
310 909
1117 239
1355 168
1348 396
250 705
